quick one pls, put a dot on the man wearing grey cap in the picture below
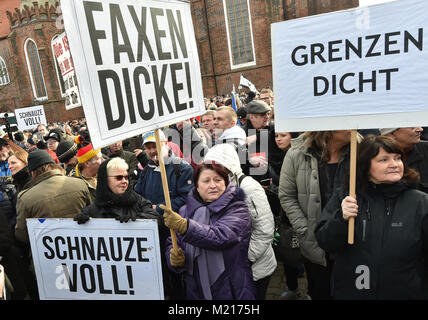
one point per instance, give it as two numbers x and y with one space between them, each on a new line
415 150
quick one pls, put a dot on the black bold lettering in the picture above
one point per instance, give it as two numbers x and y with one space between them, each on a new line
177 86
316 51
103 75
357 50
176 32
388 76
389 42
143 114
95 35
155 12
113 250
304 56
372 80
189 83
91 286
101 281
72 285
57 249
418 43
128 91
160 89
88 248
142 36
128 251
141 249
326 85
342 81
116 20
102 250
370 52
45 240
332 50
72 248
115 282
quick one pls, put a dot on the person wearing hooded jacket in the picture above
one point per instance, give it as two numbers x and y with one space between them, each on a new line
260 251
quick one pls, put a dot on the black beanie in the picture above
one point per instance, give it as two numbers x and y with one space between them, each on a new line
37 158
66 150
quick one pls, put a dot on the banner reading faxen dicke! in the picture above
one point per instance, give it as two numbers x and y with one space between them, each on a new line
353 69
101 259
136 62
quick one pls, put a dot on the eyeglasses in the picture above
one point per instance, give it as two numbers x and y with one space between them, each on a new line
120 177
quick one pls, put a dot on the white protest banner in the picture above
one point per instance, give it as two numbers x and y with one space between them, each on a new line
136 63
354 69
101 259
63 56
30 117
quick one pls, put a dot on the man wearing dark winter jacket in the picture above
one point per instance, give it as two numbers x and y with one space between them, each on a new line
179 174
262 149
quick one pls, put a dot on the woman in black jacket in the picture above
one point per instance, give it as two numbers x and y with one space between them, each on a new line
115 197
391 228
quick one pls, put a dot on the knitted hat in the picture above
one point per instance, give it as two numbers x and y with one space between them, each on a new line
86 153
38 158
385 131
226 155
66 150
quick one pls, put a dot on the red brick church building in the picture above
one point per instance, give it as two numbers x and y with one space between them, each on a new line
233 37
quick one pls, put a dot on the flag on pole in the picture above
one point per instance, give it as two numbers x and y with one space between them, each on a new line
244 82
234 99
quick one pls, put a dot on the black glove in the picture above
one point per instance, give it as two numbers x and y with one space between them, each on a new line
81 218
127 214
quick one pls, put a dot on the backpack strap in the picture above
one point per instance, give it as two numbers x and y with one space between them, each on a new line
242 177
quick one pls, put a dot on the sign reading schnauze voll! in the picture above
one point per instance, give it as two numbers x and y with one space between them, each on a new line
101 259
136 63
354 69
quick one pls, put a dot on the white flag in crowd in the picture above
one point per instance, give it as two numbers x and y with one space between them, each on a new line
244 82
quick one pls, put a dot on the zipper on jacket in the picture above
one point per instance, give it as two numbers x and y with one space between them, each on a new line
364 229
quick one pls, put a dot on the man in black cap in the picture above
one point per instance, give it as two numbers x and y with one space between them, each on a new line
53 139
242 116
67 154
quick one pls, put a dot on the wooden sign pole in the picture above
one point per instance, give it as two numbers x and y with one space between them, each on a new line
352 182
165 184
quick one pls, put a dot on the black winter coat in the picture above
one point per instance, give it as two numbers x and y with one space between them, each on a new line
417 159
390 243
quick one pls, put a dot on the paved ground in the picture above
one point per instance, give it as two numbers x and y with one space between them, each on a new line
277 285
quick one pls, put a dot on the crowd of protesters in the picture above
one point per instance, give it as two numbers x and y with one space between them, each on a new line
243 198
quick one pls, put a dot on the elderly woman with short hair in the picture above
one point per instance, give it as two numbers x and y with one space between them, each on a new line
214 229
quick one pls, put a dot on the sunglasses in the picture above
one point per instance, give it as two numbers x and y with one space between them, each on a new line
120 177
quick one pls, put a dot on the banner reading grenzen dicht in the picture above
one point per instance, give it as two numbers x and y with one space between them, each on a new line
137 65
354 69
101 259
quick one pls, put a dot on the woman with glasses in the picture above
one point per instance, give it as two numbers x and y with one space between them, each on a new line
115 197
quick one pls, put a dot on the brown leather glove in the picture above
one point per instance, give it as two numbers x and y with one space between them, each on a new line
177 258
173 220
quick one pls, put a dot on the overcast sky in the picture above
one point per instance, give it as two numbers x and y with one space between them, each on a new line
364 3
